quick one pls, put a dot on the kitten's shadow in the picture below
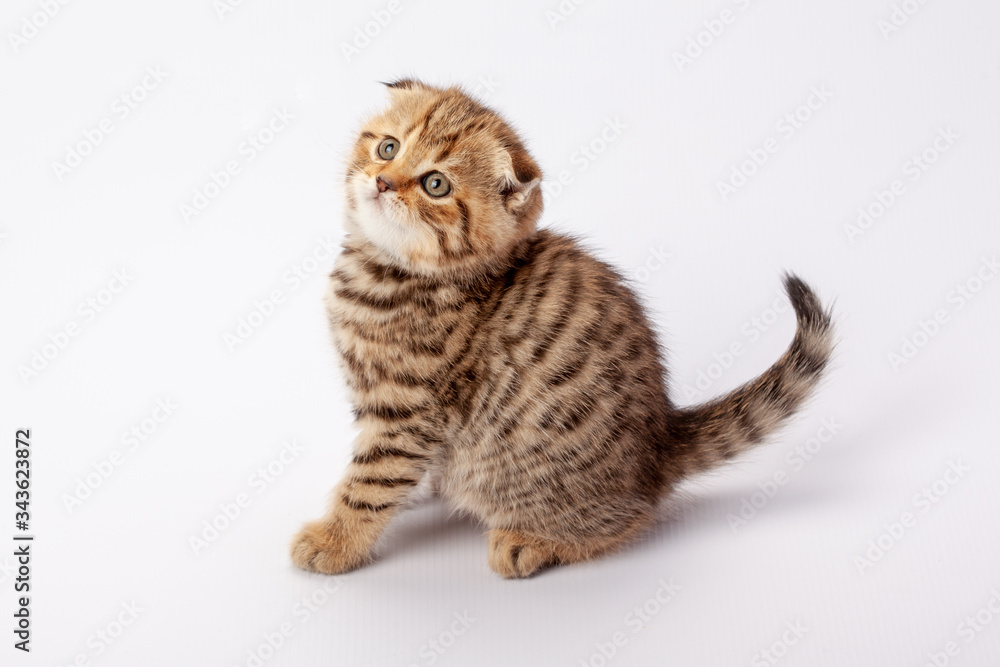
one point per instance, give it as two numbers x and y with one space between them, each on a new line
431 526
698 506
428 524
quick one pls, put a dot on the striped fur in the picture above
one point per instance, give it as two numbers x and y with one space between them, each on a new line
508 365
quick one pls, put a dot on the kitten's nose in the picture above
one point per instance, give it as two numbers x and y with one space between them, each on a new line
383 183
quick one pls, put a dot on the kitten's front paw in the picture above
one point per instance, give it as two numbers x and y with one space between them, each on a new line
325 547
515 555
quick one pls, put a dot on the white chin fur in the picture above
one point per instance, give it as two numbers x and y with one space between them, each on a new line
381 225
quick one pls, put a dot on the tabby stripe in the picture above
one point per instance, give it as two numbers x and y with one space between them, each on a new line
352 362
367 135
449 142
442 239
364 332
570 415
504 401
428 348
614 376
527 330
424 437
508 426
590 334
374 302
381 272
594 456
466 238
632 351
382 375
361 506
378 453
541 288
406 380
497 296
561 322
386 412
388 482
567 371
474 127
430 113
433 213
614 336
465 386
493 299
511 387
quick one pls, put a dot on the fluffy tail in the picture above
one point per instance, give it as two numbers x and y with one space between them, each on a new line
707 435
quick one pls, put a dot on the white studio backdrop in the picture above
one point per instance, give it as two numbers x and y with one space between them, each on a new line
170 177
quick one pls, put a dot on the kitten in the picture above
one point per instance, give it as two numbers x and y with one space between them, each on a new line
507 364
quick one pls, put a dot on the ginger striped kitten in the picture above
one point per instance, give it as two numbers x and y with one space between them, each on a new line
507 364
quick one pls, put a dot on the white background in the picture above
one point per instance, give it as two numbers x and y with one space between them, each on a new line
898 427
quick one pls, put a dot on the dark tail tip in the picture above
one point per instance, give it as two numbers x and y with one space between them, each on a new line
808 309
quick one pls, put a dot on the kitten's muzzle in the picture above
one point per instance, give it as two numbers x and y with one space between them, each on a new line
383 183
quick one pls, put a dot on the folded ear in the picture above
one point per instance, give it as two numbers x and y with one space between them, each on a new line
404 85
521 177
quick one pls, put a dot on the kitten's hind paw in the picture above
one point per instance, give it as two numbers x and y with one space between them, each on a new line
325 547
514 555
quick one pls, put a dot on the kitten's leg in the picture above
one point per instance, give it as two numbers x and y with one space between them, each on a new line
515 554
389 462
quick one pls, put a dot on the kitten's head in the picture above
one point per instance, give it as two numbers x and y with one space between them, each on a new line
441 185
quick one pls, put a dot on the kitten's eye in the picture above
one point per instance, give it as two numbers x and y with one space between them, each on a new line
388 148
436 184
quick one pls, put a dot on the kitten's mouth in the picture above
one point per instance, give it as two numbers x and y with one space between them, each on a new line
384 209
380 205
